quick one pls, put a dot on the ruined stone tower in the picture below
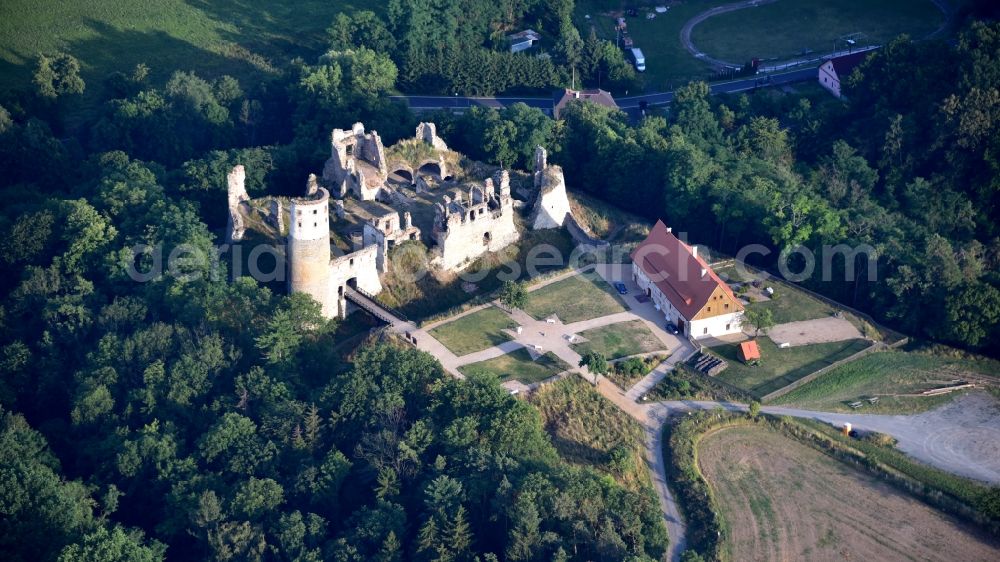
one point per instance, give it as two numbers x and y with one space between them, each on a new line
309 247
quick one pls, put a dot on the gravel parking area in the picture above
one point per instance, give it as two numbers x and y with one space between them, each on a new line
821 330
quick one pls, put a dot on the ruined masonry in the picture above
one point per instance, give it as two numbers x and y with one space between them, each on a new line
551 204
376 195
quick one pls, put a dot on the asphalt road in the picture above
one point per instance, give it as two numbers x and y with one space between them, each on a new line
630 102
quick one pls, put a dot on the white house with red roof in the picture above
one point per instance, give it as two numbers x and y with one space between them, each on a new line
684 287
835 70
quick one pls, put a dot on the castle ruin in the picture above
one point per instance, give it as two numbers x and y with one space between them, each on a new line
416 191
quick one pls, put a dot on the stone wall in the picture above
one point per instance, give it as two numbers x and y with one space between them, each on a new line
357 163
237 192
359 269
427 132
466 228
386 232
551 203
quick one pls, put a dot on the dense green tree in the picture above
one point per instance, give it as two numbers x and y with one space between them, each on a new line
57 76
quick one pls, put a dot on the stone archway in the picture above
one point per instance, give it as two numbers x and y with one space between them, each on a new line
401 176
430 168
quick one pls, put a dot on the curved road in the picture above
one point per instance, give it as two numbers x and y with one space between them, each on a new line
691 23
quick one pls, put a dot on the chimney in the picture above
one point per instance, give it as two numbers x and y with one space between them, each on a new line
670 229
704 272
694 250
576 94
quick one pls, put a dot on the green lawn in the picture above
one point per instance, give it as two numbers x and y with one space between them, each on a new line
883 375
781 367
518 365
576 298
210 38
619 340
474 332
786 28
792 305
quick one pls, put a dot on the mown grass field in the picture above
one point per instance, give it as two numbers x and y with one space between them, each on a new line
619 340
518 365
576 298
786 28
887 375
781 500
781 367
474 332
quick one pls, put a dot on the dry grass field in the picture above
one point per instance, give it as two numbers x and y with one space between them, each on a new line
781 500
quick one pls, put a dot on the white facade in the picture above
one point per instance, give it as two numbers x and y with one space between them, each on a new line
714 326
828 78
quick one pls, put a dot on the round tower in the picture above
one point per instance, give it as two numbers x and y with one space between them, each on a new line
309 249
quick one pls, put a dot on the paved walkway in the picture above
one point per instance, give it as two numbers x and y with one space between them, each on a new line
962 437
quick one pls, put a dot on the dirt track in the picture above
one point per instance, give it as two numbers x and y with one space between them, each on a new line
785 501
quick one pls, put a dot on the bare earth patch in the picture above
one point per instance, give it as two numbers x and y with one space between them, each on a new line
784 501
820 330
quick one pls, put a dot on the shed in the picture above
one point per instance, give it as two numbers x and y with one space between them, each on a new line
749 351
523 40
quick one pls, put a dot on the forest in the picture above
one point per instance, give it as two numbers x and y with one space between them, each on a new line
200 417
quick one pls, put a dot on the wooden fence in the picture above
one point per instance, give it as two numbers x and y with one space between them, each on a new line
821 371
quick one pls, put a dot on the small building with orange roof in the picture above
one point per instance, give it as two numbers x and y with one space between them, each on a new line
749 351
684 287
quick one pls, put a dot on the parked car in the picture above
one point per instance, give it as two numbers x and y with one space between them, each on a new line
672 328
621 288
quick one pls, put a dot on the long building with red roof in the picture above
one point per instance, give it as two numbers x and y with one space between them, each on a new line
684 287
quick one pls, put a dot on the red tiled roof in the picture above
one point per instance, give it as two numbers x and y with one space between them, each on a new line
845 64
600 97
749 350
676 271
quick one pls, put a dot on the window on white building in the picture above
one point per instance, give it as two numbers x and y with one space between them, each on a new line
705 330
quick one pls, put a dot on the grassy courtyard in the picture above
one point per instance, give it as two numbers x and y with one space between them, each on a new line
619 340
781 367
518 365
889 375
785 29
480 330
576 298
